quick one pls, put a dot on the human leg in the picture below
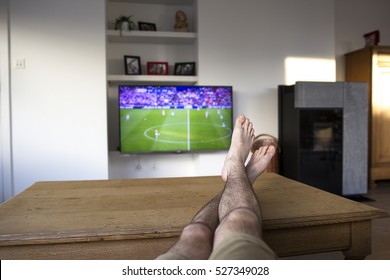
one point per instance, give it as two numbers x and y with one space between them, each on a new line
238 191
242 140
239 195
196 240
239 210
240 215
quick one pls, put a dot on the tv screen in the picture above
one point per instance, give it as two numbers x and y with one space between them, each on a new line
174 118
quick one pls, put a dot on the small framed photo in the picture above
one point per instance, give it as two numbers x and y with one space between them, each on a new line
185 68
132 65
372 38
146 26
157 68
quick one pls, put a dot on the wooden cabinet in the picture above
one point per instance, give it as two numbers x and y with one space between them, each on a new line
372 65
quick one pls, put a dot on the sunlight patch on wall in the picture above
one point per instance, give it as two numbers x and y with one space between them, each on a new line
309 69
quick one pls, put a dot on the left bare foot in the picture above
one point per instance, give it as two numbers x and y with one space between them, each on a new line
259 162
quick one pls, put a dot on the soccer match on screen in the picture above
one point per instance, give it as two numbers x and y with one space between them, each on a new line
174 118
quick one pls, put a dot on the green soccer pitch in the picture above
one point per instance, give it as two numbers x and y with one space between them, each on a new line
174 130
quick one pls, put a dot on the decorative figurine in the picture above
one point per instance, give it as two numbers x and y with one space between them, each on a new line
181 22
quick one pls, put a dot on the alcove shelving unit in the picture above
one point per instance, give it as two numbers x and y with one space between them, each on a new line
160 45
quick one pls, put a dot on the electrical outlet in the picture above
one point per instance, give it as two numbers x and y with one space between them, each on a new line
20 63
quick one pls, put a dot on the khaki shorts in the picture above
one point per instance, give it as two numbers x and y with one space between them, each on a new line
235 247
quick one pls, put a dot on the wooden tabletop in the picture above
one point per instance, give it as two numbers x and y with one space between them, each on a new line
79 211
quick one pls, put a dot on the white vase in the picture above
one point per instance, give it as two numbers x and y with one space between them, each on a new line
124 26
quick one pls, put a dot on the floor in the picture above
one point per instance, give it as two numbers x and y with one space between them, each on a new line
378 197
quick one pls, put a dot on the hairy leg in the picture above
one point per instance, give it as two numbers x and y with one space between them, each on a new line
241 214
239 210
196 240
238 191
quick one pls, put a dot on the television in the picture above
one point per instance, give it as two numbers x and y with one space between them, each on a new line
174 118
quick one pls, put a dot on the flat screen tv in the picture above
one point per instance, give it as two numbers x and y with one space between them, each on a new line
174 118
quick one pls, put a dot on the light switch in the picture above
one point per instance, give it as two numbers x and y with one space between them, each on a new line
20 63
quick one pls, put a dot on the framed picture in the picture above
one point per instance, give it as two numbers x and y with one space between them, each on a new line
185 68
157 68
146 26
132 65
372 38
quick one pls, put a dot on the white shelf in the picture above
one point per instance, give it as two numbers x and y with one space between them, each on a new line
162 2
151 37
152 79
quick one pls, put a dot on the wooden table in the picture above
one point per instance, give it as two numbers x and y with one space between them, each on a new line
141 218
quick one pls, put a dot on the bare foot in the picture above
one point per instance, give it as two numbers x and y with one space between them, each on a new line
259 162
242 140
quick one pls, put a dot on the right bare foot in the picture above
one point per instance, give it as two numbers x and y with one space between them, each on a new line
242 140
259 162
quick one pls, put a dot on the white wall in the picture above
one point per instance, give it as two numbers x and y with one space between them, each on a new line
246 45
58 102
